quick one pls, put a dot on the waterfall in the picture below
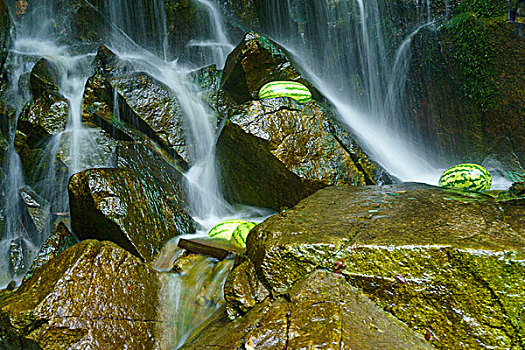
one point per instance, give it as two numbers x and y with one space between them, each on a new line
37 37
219 44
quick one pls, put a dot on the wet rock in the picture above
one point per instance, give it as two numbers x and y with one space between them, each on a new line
208 79
92 294
447 261
252 175
126 208
184 19
45 116
37 211
44 78
154 109
133 106
59 240
155 167
323 311
5 33
308 140
18 256
255 62
243 290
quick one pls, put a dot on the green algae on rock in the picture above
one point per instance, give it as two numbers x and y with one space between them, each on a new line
309 141
320 311
92 294
121 206
443 260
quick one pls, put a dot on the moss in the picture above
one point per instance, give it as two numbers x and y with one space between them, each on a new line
474 49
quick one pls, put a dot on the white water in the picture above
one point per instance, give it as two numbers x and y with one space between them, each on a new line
219 44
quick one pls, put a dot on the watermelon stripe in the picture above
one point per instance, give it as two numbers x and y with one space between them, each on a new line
291 89
466 176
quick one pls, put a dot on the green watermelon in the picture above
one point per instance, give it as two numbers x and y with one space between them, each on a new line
240 234
297 91
471 177
225 229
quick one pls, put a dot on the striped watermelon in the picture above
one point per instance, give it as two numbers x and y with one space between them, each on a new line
297 91
240 234
472 177
225 229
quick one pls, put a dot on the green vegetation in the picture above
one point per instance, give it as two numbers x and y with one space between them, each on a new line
473 48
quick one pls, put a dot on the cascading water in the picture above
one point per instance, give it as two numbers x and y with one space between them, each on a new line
220 45
37 37
191 297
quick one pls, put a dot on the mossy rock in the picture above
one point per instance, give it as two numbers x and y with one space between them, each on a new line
309 141
158 168
5 33
44 78
92 294
252 175
256 61
443 260
320 311
124 207
59 240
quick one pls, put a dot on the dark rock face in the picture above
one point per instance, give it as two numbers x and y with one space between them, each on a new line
5 35
255 62
123 207
446 261
157 169
465 87
307 140
133 106
93 294
252 175
59 240
323 311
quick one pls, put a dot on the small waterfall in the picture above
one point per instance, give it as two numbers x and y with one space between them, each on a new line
359 63
38 37
219 44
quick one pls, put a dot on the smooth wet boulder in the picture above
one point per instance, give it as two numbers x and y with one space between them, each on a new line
133 106
309 141
44 78
256 61
35 214
156 167
320 311
93 295
445 262
126 208
59 240
252 175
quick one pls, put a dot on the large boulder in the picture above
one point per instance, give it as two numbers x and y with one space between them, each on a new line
121 206
255 62
308 140
133 106
93 295
252 175
155 167
447 263
320 311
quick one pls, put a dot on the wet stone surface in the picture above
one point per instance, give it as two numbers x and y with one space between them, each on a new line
320 311
449 264
124 207
91 295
